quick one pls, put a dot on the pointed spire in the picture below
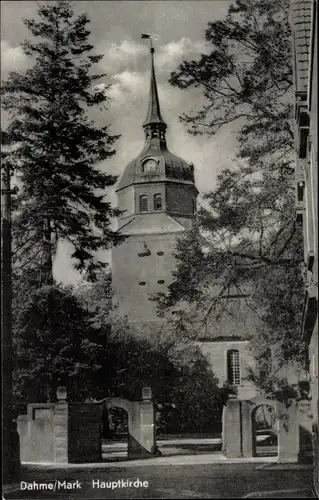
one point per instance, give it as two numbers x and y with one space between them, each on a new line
154 111
154 125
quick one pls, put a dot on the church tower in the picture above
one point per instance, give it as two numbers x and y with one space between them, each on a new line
157 195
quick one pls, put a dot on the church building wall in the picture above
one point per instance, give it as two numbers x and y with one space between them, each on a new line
149 189
180 199
216 353
125 200
136 277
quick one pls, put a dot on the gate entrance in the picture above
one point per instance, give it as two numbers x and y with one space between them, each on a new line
261 427
71 432
264 431
137 426
114 436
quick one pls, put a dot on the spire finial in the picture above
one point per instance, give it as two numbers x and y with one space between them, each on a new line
149 37
154 124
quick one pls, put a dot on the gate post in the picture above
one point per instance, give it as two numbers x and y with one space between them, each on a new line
232 432
147 422
60 427
288 436
247 431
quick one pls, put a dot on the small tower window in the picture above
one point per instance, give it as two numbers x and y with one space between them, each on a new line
143 203
233 367
149 166
194 206
157 202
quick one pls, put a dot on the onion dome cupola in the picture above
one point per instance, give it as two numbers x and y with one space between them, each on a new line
155 163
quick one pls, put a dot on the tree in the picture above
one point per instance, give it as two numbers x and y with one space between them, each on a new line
97 298
245 244
176 371
246 77
55 342
57 147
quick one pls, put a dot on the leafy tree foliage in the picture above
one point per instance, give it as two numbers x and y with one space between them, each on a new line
176 371
54 340
57 148
247 76
70 337
185 392
97 298
245 243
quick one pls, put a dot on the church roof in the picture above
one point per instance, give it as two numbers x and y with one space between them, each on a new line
238 322
151 224
169 166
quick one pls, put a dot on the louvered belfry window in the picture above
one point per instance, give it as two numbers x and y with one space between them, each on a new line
143 203
157 202
233 367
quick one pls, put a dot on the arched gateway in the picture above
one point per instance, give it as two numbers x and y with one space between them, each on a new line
66 432
141 424
239 434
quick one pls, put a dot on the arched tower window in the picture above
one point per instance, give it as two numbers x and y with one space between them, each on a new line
194 205
149 166
157 202
143 203
233 367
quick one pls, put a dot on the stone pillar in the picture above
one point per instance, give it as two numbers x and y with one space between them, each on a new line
288 436
24 430
147 421
305 431
232 428
36 433
224 432
247 431
60 425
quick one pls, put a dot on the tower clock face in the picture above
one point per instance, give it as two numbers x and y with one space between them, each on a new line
150 166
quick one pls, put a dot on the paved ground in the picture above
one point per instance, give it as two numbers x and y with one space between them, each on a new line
203 458
168 447
192 480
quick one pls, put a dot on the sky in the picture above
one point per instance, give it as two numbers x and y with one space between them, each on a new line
116 28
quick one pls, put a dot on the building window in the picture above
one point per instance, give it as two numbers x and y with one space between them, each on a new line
157 202
143 203
144 251
233 367
194 206
149 166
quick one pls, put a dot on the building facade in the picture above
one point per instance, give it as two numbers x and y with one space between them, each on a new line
305 56
157 195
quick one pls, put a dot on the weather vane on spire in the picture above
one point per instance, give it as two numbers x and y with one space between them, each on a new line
149 37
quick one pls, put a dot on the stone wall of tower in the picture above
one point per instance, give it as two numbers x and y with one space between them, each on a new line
176 198
125 201
149 189
180 199
136 277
